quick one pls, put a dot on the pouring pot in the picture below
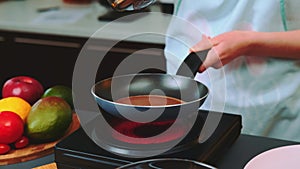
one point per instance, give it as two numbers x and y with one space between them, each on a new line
181 86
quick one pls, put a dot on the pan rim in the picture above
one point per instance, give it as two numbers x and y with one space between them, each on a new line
146 107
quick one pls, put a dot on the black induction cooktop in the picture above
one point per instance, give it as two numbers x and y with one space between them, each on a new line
78 151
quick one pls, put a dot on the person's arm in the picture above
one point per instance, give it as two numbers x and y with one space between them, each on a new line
277 44
230 45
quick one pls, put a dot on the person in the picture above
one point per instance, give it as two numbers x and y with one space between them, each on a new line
253 64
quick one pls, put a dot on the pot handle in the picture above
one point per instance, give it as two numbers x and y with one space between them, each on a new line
191 63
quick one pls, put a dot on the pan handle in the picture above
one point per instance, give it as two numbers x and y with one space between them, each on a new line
191 64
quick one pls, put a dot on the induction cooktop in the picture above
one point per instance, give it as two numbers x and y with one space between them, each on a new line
78 151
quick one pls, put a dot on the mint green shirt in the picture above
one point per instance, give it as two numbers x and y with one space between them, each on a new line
264 90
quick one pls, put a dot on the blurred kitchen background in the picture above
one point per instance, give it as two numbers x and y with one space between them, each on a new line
42 38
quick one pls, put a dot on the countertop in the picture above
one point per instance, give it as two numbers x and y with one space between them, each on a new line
238 155
41 16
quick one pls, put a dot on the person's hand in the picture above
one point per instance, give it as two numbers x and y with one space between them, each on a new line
224 48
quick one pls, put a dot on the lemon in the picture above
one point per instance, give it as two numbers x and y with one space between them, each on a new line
49 119
16 105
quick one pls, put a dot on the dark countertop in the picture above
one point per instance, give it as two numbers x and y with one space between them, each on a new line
247 147
238 155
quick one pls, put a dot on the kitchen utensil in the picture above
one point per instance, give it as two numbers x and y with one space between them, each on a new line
191 92
167 163
78 1
147 119
129 5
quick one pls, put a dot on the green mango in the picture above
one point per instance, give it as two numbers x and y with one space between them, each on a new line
48 119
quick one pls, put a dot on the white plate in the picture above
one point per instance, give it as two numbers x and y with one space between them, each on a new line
277 158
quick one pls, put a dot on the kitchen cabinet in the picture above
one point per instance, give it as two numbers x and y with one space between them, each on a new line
51 59
49 51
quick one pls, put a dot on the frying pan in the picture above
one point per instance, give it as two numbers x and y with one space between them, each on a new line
181 86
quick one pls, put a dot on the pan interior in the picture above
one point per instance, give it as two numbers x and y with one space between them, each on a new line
175 86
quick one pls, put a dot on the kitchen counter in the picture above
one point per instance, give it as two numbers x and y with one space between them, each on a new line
238 155
42 16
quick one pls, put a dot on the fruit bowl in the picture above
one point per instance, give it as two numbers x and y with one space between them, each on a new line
32 119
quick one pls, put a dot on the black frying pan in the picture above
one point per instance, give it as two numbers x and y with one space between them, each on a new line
181 86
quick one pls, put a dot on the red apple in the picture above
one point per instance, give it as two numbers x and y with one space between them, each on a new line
24 87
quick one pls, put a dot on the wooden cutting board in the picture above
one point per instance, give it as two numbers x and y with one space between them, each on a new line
34 151
47 166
